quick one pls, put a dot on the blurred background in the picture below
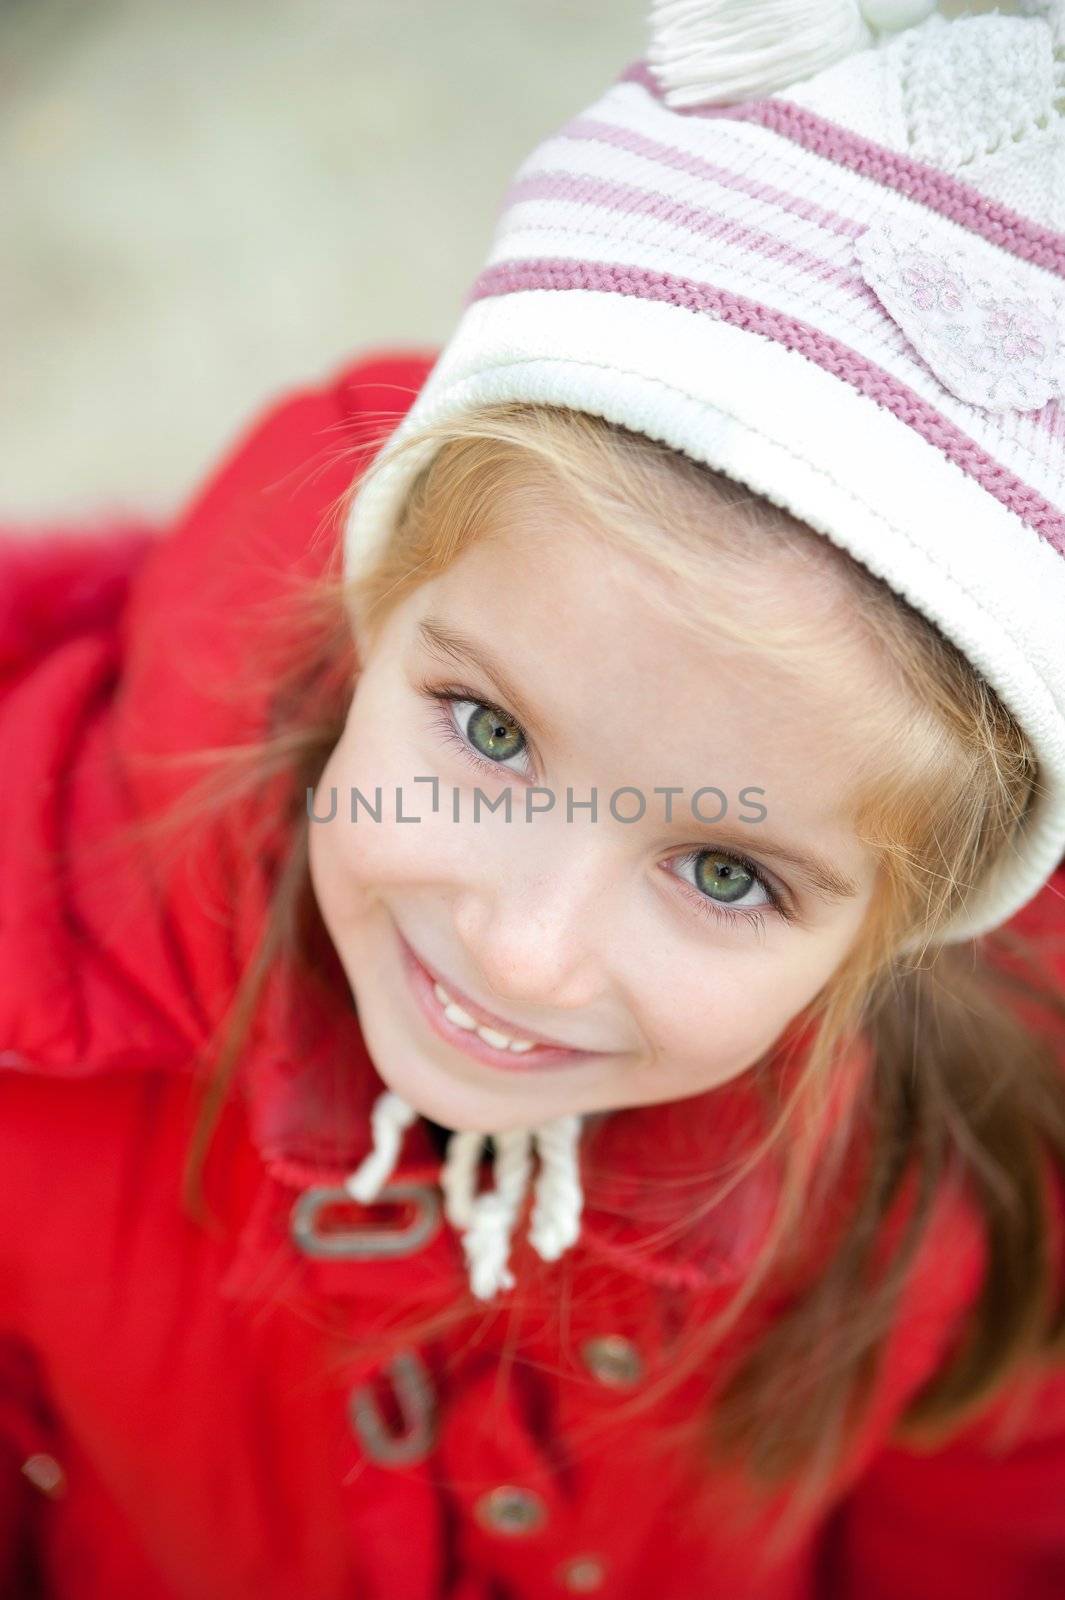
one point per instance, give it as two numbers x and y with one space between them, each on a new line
207 201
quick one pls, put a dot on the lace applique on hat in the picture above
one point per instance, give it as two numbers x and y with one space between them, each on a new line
992 334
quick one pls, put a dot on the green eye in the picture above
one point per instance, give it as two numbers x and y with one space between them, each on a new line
487 737
494 735
716 881
722 877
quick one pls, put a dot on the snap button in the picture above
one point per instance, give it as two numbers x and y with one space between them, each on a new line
45 1473
582 1575
303 1222
416 1397
509 1509
613 1359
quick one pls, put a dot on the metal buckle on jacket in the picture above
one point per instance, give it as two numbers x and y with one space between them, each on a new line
416 1396
366 1241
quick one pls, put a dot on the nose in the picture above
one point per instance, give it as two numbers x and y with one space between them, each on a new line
534 934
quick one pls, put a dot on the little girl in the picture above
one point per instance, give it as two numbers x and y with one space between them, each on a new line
531 920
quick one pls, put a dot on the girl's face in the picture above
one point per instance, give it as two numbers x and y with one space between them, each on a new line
672 949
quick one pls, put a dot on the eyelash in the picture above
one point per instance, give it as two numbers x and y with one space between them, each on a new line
445 723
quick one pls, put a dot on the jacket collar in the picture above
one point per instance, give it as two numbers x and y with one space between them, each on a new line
310 1086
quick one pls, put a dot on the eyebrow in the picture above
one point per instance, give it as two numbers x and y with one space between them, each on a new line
819 875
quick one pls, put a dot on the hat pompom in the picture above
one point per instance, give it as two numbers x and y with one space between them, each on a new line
706 52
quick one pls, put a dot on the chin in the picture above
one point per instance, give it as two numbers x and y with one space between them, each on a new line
430 1089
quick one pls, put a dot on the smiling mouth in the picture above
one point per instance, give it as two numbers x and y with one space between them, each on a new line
479 1033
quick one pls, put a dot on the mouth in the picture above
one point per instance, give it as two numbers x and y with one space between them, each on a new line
469 1028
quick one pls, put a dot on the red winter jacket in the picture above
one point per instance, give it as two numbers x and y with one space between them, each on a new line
180 1418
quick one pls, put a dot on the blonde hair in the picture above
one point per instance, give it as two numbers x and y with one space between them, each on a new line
960 1083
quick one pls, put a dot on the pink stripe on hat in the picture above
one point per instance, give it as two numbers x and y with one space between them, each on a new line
696 166
700 221
937 190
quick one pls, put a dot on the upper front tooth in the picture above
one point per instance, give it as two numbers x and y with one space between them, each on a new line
455 1013
493 1036
452 1010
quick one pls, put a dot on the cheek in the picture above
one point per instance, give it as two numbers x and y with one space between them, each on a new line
721 1024
715 1020
347 859
352 862
337 849
336 888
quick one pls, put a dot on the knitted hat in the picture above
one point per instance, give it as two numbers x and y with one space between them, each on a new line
818 247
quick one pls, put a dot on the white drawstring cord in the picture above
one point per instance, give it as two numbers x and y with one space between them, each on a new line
389 1118
556 1218
488 1220
458 1176
494 1213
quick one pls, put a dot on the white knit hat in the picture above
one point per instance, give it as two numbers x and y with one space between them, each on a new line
826 258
